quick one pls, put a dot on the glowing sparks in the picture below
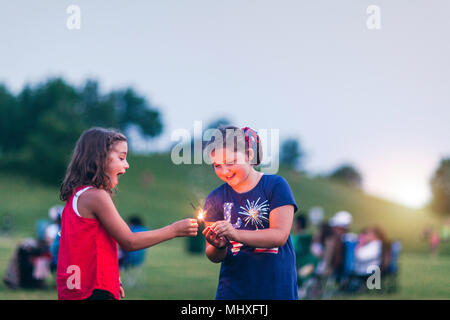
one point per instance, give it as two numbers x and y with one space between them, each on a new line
201 214
255 213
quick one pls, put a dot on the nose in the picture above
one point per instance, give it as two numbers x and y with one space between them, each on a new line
225 170
126 165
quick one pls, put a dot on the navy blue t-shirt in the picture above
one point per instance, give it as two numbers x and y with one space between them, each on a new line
249 272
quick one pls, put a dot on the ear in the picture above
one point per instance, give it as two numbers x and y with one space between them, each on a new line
251 156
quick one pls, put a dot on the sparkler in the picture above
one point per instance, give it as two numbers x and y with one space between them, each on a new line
200 214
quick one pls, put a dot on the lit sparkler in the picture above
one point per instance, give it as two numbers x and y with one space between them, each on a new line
200 214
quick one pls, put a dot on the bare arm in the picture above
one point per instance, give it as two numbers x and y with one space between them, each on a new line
214 254
103 209
275 236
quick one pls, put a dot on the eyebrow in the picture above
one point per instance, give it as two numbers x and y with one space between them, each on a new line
225 162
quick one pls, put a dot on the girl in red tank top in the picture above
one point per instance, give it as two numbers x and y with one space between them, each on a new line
91 227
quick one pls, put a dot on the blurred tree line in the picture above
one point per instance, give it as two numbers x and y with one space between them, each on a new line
348 175
40 125
292 157
440 188
291 154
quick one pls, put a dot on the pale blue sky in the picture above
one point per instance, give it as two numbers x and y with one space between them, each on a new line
379 99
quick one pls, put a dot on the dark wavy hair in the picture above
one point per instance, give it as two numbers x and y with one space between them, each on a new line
89 160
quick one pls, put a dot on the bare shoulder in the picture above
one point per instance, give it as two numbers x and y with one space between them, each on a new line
95 196
91 200
96 193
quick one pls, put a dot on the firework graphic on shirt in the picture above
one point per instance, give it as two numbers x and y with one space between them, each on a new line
255 213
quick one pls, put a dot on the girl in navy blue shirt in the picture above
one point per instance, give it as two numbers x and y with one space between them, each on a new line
248 222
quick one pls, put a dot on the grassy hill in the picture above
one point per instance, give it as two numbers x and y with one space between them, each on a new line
161 192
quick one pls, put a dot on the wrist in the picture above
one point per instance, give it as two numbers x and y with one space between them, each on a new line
172 233
236 236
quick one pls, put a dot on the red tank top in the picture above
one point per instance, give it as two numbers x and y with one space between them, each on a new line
87 257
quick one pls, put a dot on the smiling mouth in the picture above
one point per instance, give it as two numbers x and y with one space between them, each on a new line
231 177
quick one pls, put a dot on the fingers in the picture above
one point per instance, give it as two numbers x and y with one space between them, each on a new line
187 227
192 227
193 223
213 238
209 234
220 227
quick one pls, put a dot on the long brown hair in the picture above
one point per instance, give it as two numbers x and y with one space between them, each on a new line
89 160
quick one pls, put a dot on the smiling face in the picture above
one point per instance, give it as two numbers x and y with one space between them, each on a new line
117 162
230 166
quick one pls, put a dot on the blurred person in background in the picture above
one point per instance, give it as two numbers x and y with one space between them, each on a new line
29 266
52 234
373 249
133 258
322 247
340 224
302 241
434 239
322 251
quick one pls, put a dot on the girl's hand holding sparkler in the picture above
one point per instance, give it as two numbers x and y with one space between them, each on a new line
224 229
210 236
213 239
185 228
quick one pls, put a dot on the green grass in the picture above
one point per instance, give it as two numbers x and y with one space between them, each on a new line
171 273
